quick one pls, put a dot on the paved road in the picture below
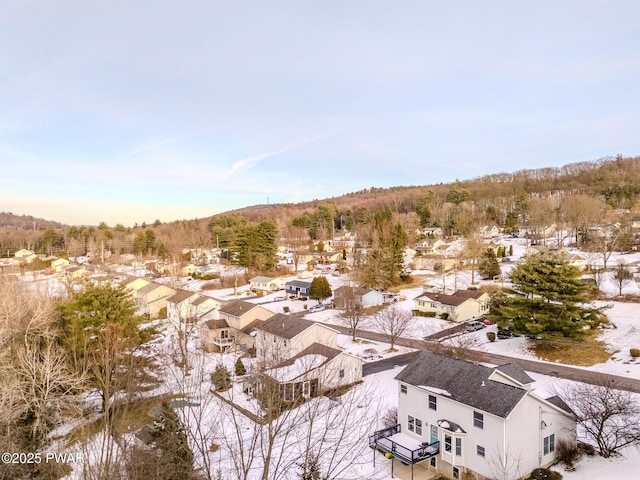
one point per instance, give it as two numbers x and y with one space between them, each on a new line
546 368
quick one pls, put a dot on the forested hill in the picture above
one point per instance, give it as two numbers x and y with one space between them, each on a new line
26 222
614 179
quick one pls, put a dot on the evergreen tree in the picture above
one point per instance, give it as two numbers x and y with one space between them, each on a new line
221 377
239 367
489 266
176 457
547 297
319 289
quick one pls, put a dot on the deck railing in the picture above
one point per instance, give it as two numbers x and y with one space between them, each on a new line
380 441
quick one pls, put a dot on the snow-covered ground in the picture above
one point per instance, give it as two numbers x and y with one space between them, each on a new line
207 408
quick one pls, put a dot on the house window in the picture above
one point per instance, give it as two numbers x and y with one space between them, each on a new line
480 450
411 424
433 402
418 426
403 389
447 443
285 343
456 472
458 447
432 462
549 444
478 420
341 373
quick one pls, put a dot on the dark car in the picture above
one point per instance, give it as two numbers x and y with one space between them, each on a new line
504 334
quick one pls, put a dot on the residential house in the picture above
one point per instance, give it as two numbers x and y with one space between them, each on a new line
487 231
430 232
346 295
76 272
465 420
434 262
133 284
59 264
24 255
152 298
298 288
266 284
578 261
191 307
235 328
534 250
303 357
460 306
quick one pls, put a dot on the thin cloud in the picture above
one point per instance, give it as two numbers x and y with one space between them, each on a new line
249 162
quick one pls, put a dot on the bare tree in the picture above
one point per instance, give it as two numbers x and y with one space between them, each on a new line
393 321
622 277
607 416
505 464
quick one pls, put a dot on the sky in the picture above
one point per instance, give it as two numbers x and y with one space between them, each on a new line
125 112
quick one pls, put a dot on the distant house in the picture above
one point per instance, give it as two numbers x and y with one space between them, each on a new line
364 297
577 261
458 418
76 272
303 357
460 306
489 231
434 262
59 264
266 284
152 298
235 327
534 250
298 288
25 255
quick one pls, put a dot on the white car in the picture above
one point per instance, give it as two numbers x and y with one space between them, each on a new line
317 308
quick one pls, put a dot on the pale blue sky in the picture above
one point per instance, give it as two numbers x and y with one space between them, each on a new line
128 111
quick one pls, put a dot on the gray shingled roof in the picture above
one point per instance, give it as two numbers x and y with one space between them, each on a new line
151 287
216 324
466 382
180 296
455 299
313 349
558 402
299 283
285 326
237 308
516 372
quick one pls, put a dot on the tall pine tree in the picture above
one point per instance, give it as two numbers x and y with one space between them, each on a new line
547 296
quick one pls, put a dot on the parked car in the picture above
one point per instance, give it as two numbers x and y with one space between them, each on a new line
474 325
504 334
278 299
486 321
317 308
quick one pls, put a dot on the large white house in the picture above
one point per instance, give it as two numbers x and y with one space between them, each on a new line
457 417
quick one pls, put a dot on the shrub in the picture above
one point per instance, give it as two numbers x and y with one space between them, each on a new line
418 313
444 316
239 367
491 336
544 474
390 418
568 453
285 309
210 276
634 352
162 313
221 377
